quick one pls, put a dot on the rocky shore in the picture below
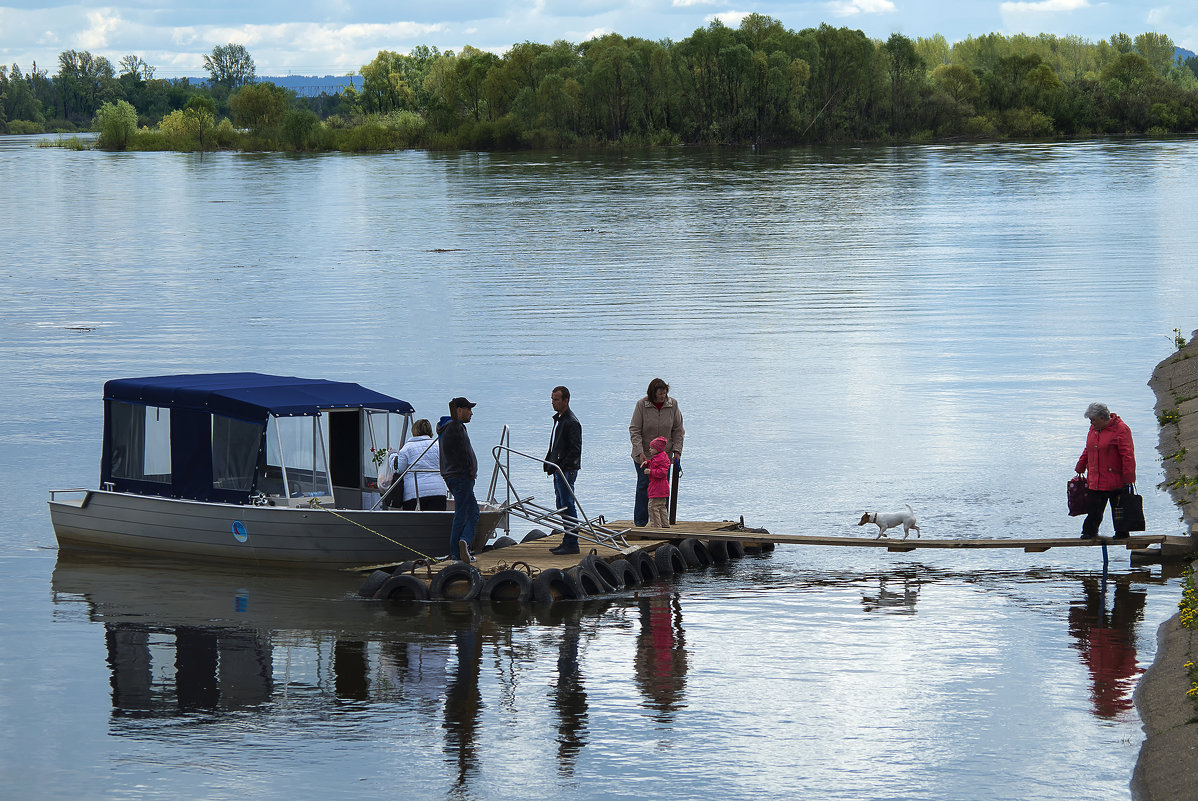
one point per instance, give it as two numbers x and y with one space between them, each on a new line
1167 769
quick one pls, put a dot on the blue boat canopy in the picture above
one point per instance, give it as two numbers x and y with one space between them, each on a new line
250 396
203 437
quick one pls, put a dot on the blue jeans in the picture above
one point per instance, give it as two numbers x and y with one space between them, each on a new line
565 500
465 513
640 508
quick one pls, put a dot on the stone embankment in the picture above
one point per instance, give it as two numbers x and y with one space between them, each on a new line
1167 769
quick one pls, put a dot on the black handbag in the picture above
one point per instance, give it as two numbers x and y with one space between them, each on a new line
1128 513
1077 492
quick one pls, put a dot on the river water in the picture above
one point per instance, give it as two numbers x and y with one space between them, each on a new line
846 330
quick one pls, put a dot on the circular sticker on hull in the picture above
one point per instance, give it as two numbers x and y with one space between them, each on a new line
239 532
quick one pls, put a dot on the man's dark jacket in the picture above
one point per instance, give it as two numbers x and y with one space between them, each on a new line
565 443
457 454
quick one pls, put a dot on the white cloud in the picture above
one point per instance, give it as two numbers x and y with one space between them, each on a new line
101 23
1158 15
851 8
1043 6
688 3
730 18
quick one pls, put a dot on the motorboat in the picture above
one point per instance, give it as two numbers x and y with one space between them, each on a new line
251 468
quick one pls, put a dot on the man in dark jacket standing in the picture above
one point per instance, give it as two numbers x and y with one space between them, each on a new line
459 468
565 451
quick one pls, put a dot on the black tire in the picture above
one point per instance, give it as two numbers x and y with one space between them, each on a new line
554 585
502 542
457 581
535 534
645 566
604 571
507 586
372 583
624 571
736 549
669 560
589 582
719 551
403 587
695 553
768 547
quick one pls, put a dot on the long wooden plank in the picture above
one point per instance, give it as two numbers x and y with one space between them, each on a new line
717 530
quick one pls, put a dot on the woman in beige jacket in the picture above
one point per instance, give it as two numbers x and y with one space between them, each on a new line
655 415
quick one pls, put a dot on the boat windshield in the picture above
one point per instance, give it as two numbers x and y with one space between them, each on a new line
296 462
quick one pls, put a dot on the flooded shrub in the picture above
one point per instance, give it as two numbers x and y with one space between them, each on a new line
407 125
369 136
117 123
25 127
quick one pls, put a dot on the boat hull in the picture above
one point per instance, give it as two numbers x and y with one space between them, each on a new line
267 535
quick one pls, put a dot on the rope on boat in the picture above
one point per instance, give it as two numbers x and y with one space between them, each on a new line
318 505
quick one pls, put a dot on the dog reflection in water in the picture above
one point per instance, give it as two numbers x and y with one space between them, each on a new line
902 601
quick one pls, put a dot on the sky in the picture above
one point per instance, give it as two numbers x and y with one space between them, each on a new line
336 37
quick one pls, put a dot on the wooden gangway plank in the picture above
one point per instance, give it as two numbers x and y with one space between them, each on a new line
728 530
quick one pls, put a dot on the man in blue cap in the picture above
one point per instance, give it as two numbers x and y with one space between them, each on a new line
459 468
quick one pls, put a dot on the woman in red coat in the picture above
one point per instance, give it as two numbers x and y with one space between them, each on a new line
1110 462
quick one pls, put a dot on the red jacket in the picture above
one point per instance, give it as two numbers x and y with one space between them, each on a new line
659 475
1109 460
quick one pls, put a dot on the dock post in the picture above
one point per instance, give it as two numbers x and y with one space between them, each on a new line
1104 558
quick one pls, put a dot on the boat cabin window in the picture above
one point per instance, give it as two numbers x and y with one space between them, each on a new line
383 430
140 441
296 455
235 447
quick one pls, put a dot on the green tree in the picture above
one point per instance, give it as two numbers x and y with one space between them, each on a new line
906 70
1158 50
230 66
259 106
19 102
136 67
117 123
297 127
83 82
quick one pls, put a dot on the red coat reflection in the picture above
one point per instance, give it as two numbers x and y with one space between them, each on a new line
1106 641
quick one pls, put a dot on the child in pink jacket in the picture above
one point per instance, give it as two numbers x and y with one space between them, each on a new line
657 468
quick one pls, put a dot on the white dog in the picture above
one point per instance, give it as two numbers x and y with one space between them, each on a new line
893 520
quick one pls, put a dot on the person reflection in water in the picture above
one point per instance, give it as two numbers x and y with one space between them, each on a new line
661 659
569 696
1106 641
462 704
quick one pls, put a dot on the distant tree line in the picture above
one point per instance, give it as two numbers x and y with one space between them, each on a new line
758 83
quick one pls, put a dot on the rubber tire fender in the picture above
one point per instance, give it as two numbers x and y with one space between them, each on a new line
625 572
457 581
507 585
502 542
736 549
695 553
555 585
373 582
402 587
589 582
645 566
535 534
718 549
669 560
603 570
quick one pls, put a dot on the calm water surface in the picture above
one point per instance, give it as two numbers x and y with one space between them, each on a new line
846 330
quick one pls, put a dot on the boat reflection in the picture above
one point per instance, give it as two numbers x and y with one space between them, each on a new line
187 644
